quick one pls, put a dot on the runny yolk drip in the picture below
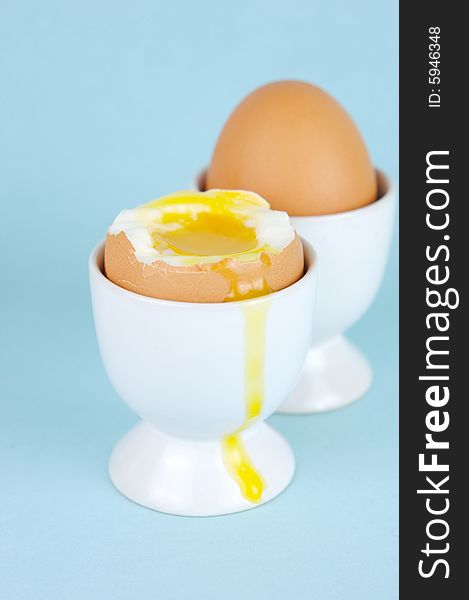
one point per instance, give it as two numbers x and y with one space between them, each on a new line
234 453
219 232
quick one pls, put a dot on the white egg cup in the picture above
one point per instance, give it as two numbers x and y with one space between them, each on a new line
180 367
353 248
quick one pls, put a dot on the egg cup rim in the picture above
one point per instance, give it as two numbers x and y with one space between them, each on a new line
311 262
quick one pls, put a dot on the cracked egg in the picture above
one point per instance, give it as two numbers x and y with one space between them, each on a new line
214 246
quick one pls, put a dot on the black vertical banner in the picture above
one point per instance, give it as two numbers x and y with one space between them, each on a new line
434 266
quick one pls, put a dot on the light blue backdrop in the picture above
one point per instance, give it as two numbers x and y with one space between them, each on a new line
105 104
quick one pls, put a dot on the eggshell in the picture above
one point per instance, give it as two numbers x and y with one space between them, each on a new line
293 144
196 283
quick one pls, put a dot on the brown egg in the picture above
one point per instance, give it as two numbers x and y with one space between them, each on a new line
235 276
293 144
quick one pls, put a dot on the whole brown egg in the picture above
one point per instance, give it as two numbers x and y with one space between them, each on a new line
293 144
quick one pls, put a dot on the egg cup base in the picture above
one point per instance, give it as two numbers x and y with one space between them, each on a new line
188 477
334 375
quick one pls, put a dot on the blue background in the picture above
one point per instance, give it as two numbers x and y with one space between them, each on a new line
104 105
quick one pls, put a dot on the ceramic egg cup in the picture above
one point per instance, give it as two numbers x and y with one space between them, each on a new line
353 248
180 367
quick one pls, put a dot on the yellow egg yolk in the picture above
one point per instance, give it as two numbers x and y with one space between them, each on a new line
212 225
193 226
208 234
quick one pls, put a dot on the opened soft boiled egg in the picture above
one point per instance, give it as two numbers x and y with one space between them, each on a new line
215 246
